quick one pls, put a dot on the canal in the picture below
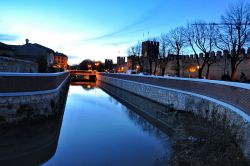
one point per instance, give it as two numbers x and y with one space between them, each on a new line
97 129
105 125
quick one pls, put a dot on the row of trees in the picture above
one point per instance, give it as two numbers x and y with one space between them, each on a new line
231 35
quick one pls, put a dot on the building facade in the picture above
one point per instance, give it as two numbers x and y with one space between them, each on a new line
108 65
60 60
150 54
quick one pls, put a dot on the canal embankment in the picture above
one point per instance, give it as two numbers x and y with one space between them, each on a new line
225 104
31 96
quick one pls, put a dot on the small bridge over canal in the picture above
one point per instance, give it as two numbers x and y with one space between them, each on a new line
82 76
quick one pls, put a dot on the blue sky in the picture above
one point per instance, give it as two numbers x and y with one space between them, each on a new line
98 29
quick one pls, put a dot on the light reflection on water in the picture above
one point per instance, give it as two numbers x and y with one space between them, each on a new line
98 130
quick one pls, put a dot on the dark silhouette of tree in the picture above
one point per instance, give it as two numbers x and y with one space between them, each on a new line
234 33
163 54
201 37
176 41
210 62
136 51
86 64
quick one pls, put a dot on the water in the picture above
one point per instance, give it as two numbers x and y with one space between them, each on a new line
99 130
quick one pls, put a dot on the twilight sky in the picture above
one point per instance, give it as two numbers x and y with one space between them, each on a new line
98 29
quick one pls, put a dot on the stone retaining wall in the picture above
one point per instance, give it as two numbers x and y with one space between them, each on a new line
24 106
184 100
8 64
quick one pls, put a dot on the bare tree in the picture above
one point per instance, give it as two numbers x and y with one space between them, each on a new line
201 37
234 33
136 51
163 54
176 41
210 62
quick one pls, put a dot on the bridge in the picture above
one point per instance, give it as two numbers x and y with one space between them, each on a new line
82 75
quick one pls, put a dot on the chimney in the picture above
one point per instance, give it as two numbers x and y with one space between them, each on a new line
27 41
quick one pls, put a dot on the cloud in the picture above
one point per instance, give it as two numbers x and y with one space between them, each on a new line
7 37
117 43
147 17
73 56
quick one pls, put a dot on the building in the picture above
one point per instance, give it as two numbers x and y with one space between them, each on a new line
121 66
60 60
36 53
6 50
132 62
150 53
120 61
108 64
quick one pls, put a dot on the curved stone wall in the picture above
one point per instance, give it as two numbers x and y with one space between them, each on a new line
179 99
22 105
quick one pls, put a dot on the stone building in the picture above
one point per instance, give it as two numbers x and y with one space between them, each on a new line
36 53
60 60
121 65
132 62
109 64
219 65
6 50
120 61
150 54
8 64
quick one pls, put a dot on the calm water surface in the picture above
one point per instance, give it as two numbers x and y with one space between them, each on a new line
98 130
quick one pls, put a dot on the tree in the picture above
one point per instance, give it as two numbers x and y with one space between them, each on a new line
210 61
163 54
86 64
136 51
176 41
234 33
201 37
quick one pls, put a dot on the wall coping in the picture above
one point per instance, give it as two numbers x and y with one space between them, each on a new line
10 94
225 83
30 83
10 74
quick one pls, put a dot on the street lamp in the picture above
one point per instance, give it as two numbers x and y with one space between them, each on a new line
137 68
89 67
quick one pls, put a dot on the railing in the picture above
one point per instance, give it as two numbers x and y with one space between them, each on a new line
235 94
30 82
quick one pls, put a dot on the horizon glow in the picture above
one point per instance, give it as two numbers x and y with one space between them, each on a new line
97 29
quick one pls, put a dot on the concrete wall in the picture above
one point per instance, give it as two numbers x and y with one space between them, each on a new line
41 101
179 99
8 64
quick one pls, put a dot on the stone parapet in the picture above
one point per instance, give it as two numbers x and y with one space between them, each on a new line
32 100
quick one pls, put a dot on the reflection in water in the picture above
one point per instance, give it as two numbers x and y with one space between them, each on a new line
35 141
99 130
142 106
85 85
29 144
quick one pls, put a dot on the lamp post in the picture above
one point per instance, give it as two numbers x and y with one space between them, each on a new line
89 67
